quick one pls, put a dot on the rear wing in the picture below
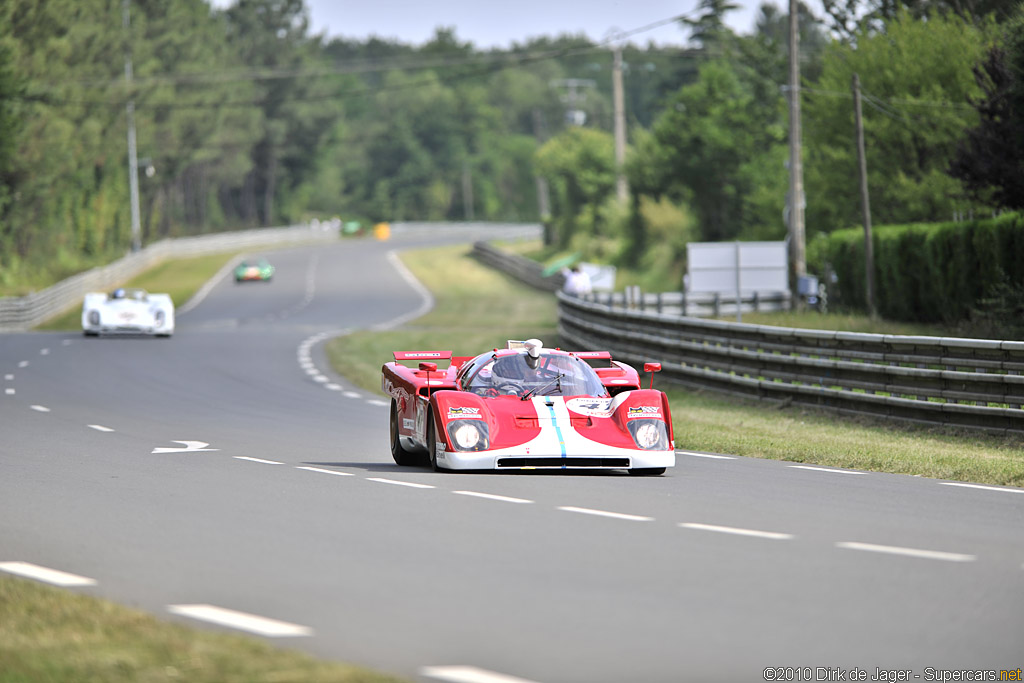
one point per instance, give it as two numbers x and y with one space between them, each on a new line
421 356
594 358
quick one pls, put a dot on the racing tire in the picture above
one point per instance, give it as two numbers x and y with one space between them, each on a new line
432 445
398 452
647 471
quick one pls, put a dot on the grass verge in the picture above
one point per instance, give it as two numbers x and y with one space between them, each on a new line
179 278
478 308
51 635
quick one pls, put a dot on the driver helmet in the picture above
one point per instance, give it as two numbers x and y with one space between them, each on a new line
119 293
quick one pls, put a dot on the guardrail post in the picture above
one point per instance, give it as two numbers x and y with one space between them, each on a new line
757 301
716 305
658 303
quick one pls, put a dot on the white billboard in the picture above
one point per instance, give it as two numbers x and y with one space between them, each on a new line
730 267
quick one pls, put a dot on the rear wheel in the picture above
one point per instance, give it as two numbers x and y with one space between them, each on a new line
398 452
647 471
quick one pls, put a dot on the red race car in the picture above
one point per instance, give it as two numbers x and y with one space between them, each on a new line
527 407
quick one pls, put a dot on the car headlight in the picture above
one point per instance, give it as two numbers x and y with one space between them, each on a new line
650 435
469 435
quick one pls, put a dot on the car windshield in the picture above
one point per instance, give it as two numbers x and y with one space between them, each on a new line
512 375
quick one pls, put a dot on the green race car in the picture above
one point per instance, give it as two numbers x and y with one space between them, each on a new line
261 270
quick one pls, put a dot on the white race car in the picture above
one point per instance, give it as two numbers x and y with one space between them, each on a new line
127 311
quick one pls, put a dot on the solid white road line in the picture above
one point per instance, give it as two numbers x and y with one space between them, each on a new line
706 455
272 628
908 552
53 576
491 496
100 428
467 674
824 469
41 409
265 462
774 535
602 513
317 469
984 488
400 483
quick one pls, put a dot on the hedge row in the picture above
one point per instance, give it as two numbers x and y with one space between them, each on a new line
931 273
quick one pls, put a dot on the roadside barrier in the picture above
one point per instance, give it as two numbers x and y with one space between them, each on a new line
955 382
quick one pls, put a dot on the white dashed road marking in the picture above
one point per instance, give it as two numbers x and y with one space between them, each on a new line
317 469
272 628
333 387
907 552
9 391
400 483
100 428
351 394
259 460
983 488
824 469
375 402
52 576
602 513
44 352
41 409
774 535
8 377
491 496
468 674
706 455
23 364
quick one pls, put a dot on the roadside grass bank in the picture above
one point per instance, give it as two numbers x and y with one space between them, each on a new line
179 278
53 635
478 308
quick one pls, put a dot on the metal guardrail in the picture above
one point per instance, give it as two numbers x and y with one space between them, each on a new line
701 305
950 381
519 267
25 312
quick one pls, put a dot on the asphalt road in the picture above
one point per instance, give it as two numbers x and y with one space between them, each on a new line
287 506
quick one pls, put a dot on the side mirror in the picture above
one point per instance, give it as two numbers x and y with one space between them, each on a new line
428 368
652 368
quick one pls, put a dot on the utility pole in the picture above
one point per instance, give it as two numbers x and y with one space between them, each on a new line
467 191
133 161
621 186
543 198
798 265
865 203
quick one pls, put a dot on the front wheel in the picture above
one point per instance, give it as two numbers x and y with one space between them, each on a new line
432 444
398 452
647 471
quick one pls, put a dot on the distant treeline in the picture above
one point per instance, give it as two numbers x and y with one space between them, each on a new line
245 118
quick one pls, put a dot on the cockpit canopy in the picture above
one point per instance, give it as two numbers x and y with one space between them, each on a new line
552 373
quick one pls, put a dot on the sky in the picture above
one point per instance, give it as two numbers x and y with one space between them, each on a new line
499 23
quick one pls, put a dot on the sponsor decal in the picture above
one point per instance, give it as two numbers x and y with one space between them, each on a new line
408 424
644 411
440 451
455 413
424 354
421 418
594 407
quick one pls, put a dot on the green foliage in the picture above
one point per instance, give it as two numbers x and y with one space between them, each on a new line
579 164
951 273
916 80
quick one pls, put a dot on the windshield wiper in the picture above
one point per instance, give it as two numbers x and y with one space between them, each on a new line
531 392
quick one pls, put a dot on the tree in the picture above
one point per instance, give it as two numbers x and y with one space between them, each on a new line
990 160
916 80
